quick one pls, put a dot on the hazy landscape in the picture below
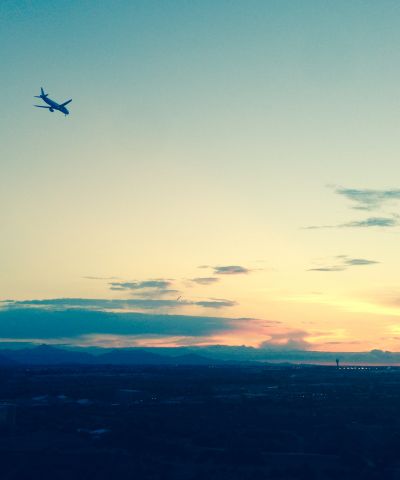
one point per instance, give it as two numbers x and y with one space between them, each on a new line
195 422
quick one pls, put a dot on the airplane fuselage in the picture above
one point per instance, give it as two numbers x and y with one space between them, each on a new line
54 105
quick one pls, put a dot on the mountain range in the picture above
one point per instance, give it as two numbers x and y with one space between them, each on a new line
33 354
49 355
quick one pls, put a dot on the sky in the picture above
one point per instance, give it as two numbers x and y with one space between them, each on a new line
228 173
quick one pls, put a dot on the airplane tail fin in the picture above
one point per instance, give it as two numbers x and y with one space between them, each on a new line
42 94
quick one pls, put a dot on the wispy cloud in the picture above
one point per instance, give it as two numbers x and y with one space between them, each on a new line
372 222
98 303
118 304
159 284
368 199
332 268
366 223
204 280
215 303
88 277
230 270
342 262
358 261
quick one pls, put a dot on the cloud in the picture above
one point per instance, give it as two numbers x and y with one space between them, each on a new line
216 303
45 323
230 270
333 268
146 303
99 303
366 223
292 340
358 261
204 280
367 199
343 262
147 284
372 222
265 323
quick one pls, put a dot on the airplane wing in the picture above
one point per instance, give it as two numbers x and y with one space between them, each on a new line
40 106
66 103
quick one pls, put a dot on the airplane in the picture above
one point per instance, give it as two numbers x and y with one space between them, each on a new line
52 104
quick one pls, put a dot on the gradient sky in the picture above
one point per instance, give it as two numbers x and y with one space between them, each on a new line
203 136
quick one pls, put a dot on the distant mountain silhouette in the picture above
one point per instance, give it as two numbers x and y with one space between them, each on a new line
131 356
136 356
204 355
48 355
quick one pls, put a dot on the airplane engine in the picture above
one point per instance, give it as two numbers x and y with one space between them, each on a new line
51 109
